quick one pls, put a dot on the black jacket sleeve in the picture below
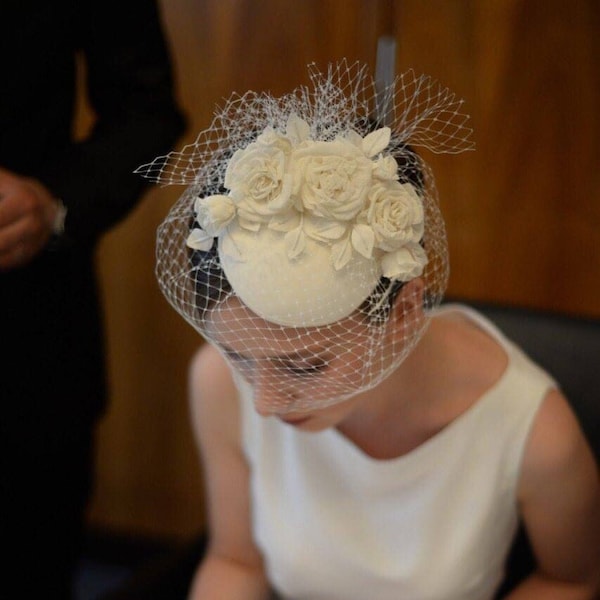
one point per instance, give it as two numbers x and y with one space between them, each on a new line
129 84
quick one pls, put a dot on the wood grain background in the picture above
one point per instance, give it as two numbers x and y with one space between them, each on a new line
522 212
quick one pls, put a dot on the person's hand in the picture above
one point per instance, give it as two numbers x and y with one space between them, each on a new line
27 214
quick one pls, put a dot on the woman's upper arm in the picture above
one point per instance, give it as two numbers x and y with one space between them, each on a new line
217 428
559 495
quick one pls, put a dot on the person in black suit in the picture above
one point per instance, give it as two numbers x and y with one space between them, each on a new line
57 197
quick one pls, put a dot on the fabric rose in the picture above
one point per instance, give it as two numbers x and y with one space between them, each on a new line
257 180
332 178
395 212
385 167
404 264
214 213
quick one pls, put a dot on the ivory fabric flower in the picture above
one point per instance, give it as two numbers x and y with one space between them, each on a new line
214 213
395 213
257 180
332 178
404 264
385 167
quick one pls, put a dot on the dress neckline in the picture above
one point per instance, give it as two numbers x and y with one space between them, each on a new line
453 427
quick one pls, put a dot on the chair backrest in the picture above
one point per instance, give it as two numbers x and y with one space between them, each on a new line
569 349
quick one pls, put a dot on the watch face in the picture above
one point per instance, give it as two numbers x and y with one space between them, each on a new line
58 227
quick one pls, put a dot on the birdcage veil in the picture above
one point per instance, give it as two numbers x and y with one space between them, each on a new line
308 245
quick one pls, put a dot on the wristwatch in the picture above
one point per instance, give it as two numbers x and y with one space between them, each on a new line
57 238
58 226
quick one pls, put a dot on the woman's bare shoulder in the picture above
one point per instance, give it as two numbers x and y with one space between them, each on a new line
212 394
556 443
473 359
207 364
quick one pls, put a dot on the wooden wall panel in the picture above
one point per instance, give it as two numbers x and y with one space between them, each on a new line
522 211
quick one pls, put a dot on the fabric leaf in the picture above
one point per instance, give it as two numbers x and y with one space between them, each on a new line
324 229
199 240
248 224
295 243
284 222
363 240
297 129
376 141
341 253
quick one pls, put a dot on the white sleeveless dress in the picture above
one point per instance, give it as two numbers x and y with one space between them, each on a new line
434 524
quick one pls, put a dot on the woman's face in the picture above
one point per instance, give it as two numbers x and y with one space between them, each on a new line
297 371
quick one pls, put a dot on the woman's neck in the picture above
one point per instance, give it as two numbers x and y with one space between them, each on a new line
450 368
386 421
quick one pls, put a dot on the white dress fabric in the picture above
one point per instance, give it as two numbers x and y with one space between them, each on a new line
436 523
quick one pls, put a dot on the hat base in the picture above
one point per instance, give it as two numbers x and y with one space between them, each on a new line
306 291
